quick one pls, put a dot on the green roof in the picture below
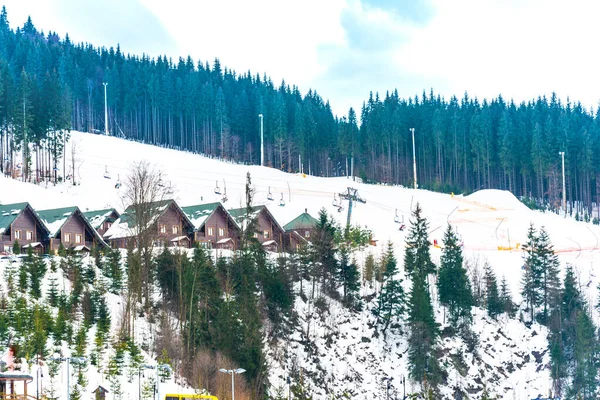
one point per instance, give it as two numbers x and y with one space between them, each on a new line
55 218
128 215
303 221
8 213
97 217
198 214
240 213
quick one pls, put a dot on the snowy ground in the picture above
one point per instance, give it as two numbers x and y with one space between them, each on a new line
491 223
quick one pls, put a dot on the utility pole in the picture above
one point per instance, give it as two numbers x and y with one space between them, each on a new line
414 159
352 196
564 191
262 143
25 145
105 111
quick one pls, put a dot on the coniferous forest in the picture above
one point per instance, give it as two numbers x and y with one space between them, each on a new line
50 85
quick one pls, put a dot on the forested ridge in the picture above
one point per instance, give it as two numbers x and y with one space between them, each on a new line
49 85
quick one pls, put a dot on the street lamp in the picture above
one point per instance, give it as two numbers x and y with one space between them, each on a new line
105 110
232 372
163 367
414 159
564 193
262 146
76 360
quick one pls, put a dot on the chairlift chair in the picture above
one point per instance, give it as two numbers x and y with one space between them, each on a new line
106 173
169 190
118 184
217 189
224 198
340 208
397 218
281 202
270 195
335 201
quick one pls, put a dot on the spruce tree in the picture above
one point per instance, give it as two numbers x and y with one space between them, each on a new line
391 303
350 279
16 247
416 257
324 253
508 306
369 270
531 281
37 271
453 284
493 301
114 271
549 269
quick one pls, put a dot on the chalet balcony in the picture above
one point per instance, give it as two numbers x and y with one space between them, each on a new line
4 238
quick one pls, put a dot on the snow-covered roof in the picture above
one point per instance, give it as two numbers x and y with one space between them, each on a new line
8 214
269 243
178 238
198 214
81 247
55 218
34 244
98 217
125 225
302 221
225 240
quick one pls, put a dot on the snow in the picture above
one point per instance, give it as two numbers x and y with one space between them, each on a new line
491 223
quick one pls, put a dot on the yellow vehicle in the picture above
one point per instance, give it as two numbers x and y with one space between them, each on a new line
189 396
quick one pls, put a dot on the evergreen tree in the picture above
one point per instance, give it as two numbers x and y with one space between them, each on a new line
391 304
37 271
549 269
453 284
424 332
417 259
532 276
16 248
493 301
114 271
508 306
369 270
324 253
350 280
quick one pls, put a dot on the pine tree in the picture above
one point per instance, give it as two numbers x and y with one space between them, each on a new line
424 332
549 269
350 280
37 271
16 248
324 253
369 270
114 271
493 301
417 259
585 381
508 306
532 275
453 284
391 304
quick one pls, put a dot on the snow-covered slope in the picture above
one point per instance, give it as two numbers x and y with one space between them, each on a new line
491 223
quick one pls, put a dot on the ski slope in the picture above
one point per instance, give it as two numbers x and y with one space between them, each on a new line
486 220
491 223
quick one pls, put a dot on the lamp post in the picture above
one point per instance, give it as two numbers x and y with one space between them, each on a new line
564 193
262 146
403 380
232 372
105 110
164 367
414 159
69 360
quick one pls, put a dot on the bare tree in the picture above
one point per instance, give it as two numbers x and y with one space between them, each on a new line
145 194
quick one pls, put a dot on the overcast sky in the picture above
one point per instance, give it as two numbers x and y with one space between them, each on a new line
346 48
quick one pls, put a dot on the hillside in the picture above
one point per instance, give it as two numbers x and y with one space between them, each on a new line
341 352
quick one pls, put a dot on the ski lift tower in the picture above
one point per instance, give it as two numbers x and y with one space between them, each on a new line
352 196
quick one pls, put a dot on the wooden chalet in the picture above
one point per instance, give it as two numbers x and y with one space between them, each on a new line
214 227
8 385
102 220
171 225
68 226
304 225
20 222
268 231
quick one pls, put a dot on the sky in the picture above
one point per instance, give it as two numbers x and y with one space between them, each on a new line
345 49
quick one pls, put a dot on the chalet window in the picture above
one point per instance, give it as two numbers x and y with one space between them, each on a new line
17 234
67 237
306 234
163 229
266 234
255 234
210 231
221 232
78 238
175 229
29 235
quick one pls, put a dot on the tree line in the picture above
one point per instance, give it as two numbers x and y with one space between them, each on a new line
50 85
